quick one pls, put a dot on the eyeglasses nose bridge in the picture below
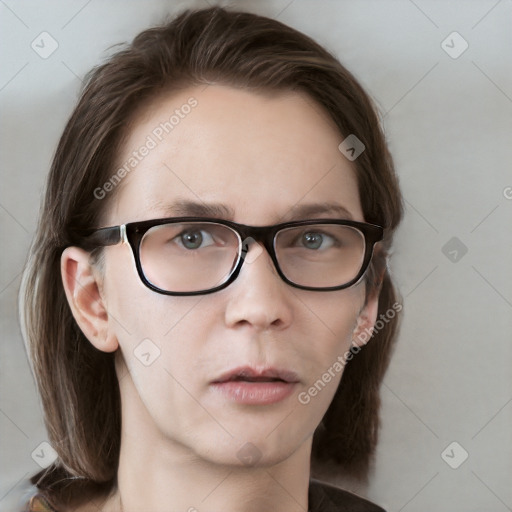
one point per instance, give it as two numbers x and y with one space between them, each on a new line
261 236
251 249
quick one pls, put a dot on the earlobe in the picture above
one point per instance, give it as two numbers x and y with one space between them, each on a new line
82 286
365 321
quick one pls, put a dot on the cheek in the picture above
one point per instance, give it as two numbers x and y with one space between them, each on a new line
137 311
329 320
332 315
159 341
157 334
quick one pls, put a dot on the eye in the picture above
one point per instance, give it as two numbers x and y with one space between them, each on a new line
315 240
194 239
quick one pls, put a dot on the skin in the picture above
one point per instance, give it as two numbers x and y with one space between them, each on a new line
263 156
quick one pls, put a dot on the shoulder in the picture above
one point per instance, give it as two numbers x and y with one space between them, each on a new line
58 491
324 497
39 503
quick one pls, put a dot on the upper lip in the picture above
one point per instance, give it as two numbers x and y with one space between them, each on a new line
249 373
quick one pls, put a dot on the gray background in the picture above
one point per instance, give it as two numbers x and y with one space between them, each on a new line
448 121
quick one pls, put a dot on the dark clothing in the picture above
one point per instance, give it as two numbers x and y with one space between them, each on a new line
322 498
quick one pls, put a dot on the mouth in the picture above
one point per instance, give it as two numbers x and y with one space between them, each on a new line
249 386
248 374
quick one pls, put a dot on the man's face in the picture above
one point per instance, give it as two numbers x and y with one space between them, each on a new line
262 157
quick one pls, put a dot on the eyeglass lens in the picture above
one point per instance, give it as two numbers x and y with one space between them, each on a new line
196 256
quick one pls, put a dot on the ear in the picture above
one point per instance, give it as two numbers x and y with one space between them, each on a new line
366 321
82 285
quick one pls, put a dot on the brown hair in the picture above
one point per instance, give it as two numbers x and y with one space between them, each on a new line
77 383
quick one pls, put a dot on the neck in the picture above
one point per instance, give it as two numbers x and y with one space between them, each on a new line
197 487
156 479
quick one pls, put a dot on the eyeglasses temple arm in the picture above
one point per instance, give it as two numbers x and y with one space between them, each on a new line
107 236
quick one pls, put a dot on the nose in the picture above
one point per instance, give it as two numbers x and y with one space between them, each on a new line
258 298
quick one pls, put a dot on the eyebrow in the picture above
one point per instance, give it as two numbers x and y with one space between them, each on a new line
183 208
317 210
186 208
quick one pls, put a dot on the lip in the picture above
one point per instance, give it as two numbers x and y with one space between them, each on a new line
246 385
248 372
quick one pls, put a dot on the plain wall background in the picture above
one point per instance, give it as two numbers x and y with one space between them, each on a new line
449 124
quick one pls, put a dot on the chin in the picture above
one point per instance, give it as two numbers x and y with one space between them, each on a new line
251 450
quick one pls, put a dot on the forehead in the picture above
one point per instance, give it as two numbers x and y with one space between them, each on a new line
260 154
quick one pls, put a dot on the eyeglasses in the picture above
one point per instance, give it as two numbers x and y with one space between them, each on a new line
193 256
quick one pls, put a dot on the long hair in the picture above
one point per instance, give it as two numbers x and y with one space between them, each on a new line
77 383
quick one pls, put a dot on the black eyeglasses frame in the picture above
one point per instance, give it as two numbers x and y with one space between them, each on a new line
133 232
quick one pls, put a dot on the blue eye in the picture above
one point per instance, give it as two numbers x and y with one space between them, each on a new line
194 239
315 240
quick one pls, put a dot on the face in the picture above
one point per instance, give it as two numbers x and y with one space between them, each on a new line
263 159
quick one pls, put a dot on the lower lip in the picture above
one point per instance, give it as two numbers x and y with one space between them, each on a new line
255 393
